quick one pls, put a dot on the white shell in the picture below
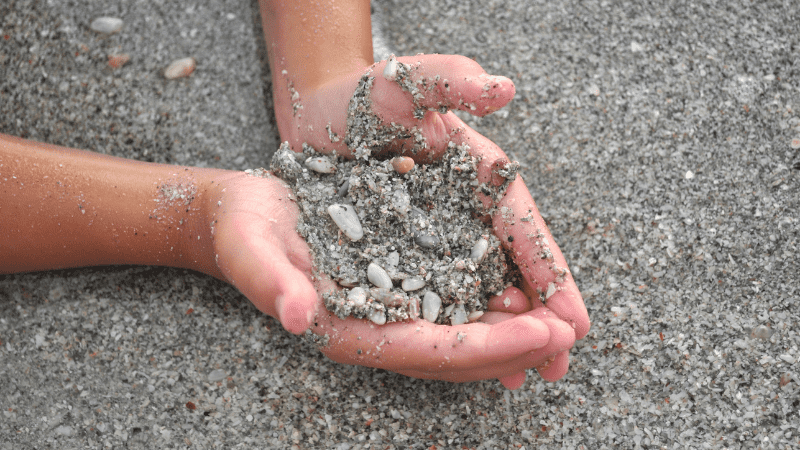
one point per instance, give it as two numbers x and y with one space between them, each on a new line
413 283
479 250
431 304
106 25
458 316
474 315
180 68
390 71
378 276
346 219
358 296
377 316
551 289
320 164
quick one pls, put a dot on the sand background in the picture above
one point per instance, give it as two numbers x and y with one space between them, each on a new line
657 141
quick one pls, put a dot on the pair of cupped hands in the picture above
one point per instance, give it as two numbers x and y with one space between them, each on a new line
259 251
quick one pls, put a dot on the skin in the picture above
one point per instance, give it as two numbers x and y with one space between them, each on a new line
65 207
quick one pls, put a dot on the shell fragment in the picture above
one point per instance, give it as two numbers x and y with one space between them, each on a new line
106 25
320 164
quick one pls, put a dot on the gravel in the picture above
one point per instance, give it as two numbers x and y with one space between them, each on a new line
663 141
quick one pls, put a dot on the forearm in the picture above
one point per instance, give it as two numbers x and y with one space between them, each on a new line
316 41
312 46
64 208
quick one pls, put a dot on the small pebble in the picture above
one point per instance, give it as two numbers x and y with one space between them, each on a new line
320 164
479 250
118 60
378 276
216 375
106 25
458 316
346 219
761 332
427 240
180 68
431 304
377 316
358 296
413 284
402 164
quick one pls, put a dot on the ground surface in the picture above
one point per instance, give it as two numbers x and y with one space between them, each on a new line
657 142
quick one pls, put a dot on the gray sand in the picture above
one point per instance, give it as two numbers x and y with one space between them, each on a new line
657 143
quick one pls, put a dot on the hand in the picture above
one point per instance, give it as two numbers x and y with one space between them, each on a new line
454 82
259 252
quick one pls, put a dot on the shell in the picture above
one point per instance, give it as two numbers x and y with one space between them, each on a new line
458 316
378 276
358 296
551 289
390 70
412 284
345 217
377 316
479 250
106 25
431 304
320 164
180 68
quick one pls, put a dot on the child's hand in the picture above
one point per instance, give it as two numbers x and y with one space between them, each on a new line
259 251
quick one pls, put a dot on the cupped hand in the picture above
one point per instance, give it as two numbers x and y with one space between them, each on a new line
410 100
258 250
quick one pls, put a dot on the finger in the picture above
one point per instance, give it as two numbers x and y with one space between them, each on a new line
423 346
519 225
261 270
556 368
444 82
512 300
513 382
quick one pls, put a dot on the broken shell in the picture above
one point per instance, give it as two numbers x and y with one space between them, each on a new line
378 276
346 219
320 164
390 70
107 25
551 289
474 315
387 297
393 259
358 296
377 316
479 250
118 60
413 283
431 304
344 189
180 68
458 316
413 308
402 164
